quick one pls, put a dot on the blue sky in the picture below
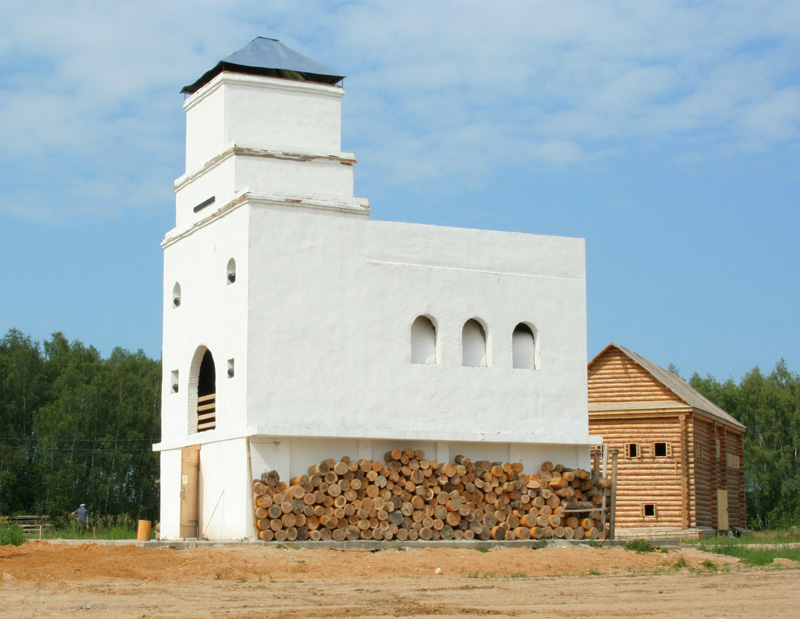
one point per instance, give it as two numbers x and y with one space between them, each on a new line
666 133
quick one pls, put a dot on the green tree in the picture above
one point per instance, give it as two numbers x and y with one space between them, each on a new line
75 427
23 389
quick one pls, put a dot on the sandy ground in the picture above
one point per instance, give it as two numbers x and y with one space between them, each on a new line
41 579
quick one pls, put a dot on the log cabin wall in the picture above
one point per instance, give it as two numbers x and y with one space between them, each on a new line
702 473
650 488
734 459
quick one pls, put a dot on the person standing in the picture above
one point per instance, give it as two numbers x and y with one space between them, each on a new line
83 515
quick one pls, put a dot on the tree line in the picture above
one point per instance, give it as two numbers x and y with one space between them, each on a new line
77 428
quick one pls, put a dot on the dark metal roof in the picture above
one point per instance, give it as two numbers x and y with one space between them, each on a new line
675 384
269 57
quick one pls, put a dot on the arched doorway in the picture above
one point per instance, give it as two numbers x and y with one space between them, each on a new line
207 394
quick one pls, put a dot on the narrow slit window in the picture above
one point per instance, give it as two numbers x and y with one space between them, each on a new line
473 345
423 341
173 381
231 272
231 372
176 295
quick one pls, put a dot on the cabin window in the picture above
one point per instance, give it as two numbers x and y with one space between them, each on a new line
649 510
473 345
173 381
662 450
733 461
231 271
523 347
633 450
718 450
176 295
699 452
423 341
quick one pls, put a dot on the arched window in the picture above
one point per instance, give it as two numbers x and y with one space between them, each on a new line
523 345
207 394
423 341
231 277
176 295
473 344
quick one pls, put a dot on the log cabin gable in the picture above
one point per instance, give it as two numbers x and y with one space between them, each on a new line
614 377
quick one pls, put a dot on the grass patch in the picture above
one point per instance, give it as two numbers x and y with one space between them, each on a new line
754 556
482 549
757 549
639 545
680 563
100 527
11 534
519 575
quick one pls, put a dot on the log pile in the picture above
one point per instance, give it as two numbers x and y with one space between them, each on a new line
408 497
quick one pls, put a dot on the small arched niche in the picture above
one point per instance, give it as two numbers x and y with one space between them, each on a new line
231 272
176 295
423 341
524 347
473 344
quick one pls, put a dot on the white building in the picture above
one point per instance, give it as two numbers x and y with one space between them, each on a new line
297 329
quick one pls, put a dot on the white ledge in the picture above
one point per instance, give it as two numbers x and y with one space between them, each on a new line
355 206
282 431
284 154
260 81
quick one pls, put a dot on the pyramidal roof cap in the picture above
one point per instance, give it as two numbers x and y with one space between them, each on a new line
269 57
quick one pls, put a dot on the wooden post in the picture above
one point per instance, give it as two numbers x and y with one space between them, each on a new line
613 515
604 505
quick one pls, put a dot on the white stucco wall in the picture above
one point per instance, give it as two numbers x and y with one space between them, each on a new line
212 315
332 344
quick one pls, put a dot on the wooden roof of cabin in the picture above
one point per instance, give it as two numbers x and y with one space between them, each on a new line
667 385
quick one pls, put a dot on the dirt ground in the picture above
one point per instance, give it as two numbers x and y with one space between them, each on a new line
40 579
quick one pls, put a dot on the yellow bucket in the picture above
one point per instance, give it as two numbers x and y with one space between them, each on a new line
143 532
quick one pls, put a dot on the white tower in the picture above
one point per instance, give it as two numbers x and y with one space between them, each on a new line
296 329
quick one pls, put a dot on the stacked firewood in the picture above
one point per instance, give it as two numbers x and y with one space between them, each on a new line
411 498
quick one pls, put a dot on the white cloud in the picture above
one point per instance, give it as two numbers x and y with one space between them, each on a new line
438 91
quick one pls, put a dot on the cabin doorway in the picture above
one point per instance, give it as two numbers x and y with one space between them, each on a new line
722 510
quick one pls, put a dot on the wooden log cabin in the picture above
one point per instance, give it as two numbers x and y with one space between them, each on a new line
681 460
